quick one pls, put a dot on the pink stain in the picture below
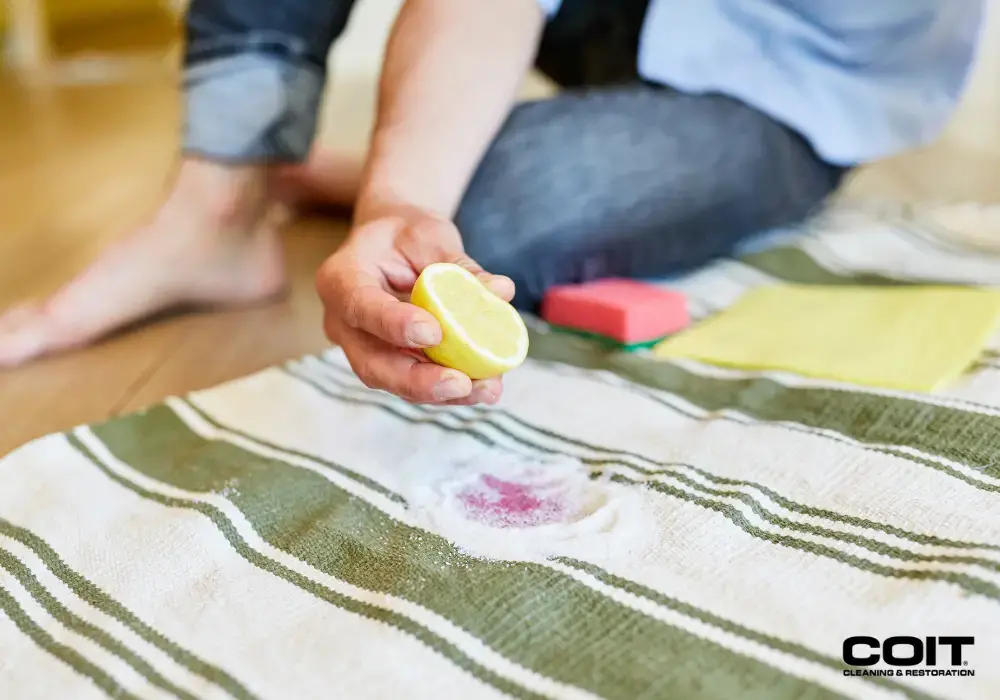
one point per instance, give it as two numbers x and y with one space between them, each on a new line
500 503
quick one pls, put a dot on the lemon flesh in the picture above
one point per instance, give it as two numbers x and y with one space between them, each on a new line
482 335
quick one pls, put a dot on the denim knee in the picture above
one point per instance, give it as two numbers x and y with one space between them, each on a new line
254 76
251 107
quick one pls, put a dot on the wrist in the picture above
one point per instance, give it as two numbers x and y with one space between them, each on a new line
371 207
379 198
421 224
399 180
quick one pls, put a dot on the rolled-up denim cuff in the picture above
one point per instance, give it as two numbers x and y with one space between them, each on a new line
253 106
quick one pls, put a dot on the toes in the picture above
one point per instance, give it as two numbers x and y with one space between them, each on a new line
24 335
16 316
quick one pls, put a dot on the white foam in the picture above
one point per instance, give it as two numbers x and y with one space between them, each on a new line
503 506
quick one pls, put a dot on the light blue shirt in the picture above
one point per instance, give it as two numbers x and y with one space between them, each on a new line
860 79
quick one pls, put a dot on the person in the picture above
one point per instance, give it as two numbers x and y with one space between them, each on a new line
682 129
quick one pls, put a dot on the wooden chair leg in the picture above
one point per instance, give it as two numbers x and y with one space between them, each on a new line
33 58
29 35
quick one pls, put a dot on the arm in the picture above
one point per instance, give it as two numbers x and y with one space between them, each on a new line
451 72
452 69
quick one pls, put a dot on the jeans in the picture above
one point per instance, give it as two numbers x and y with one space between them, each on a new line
614 176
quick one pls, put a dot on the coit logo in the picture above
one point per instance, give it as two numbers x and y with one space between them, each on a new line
908 652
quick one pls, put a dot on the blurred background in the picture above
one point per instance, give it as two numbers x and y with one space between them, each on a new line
89 115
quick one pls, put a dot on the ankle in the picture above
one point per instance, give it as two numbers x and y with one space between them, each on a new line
222 196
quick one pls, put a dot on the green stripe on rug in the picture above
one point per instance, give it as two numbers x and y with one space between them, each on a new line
69 656
969 584
704 499
876 420
349 390
343 471
792 264
432 419
921 538
78 625
93 595
321 592
528 613
724 624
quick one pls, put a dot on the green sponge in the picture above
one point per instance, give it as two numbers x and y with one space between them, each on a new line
606 342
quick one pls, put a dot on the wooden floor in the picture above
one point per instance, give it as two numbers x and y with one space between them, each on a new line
76 168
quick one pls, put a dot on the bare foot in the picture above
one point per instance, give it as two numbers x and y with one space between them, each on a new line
327 180
210 244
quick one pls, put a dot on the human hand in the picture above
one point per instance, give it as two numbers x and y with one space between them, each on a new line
365 288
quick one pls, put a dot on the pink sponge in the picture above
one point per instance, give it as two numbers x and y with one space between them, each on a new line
624 310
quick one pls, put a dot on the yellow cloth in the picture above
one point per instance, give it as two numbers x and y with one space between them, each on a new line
910 338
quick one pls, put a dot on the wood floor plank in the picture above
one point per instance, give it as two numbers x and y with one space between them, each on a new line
215 348
78 166
83 387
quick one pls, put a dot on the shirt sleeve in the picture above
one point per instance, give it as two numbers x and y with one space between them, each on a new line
549 7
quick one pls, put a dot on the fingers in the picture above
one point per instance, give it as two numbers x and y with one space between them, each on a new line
385 368
354 299
484 391
502 286
373 310
414 378
382 335
487 391
431 241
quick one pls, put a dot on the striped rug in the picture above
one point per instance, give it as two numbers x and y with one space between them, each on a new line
618 527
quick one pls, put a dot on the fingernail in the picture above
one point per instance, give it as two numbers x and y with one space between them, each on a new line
485 393
453 386
422 333
500 285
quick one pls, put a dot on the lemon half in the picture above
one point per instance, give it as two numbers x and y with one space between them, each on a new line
483 336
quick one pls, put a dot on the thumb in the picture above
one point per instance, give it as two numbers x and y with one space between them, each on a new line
500 285
432 240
